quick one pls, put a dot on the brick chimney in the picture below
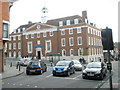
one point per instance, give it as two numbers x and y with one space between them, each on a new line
29 22
84 15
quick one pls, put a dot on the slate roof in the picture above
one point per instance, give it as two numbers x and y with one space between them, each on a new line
55 22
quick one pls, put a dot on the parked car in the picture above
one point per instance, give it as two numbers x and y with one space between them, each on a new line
94 70
24 61
36 67
77 65
64 67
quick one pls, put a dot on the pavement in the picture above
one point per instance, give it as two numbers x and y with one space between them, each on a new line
12 71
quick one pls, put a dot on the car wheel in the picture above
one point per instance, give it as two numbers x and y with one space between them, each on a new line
27 73
74 71
101 77
54 75
68 73
83 77
41 71
45 69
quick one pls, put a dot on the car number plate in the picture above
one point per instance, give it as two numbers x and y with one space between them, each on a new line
58 71
90 74
32 70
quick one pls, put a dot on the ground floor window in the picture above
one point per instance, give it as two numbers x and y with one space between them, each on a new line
63 52
71 52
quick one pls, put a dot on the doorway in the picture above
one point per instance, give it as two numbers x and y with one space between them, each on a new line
39 54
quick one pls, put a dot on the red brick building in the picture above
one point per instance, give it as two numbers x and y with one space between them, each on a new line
4 28
71 37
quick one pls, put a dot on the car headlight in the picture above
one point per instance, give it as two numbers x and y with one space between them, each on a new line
65 68
84 71
53 68
98 72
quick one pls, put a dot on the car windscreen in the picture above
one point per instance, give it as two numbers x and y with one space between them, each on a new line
94 65
76 62
63 63
34 64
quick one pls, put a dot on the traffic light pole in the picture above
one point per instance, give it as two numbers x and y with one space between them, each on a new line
110 68
109 61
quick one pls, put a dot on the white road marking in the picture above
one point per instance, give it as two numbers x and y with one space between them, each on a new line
49 75
21 84
8 83
28 85
77 76
14 84
36 86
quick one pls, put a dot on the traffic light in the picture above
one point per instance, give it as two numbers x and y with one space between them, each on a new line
107 39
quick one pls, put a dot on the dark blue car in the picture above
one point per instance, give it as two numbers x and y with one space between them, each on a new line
36 67
64 67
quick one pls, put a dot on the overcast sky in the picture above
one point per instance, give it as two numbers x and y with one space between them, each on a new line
101 12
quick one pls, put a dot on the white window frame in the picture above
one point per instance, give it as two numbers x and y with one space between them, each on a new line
19 54
27 36
71 52
10 46
79 39
28 43
62 32
38 35
68 22
63 42
32 35
19 37
14 45
38 42
51 33
14 54
19 45
80 51
10 54
63 51
44 34
47 46
75 21
10 38
60 23
14 38
88 40
71 31
71 43
79 30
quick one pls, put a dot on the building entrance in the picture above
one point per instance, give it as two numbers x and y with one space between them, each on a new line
39 54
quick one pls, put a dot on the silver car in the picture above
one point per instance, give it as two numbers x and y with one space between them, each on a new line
77 65
94 70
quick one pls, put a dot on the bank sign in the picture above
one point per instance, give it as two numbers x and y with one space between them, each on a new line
38 45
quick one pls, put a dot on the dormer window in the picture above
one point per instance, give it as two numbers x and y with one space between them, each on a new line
19 30
60 23
32 35
75 21
68 22
23 29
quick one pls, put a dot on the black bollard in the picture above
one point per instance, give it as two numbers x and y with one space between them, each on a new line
11 64
19 67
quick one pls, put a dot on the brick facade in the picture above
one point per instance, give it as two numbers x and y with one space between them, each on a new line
72 40
4 28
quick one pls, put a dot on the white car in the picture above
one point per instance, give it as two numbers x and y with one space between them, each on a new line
24 61
77 65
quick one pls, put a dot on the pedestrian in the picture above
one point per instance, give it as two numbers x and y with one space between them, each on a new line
100 59
80 60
